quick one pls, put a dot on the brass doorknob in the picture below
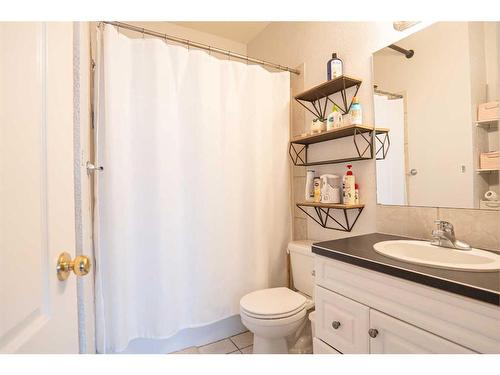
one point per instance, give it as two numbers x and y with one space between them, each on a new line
80 266
373 332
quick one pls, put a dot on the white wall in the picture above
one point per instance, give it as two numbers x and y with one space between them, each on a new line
312 43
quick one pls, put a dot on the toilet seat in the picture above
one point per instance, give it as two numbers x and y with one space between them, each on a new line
273 303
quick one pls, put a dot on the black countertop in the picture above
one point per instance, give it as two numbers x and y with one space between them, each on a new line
358 250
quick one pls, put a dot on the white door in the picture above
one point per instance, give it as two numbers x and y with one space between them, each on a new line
38 313
392 336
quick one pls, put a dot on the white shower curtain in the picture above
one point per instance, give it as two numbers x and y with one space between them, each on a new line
193 203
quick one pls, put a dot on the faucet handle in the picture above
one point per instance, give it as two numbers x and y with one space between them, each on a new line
443 224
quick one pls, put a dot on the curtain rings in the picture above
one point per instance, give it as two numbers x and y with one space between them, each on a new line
188 42
229 55
143 33
209 50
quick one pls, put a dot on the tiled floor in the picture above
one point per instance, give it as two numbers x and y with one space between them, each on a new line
239 344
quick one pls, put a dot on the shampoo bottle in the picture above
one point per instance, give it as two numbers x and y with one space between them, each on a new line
310 185
334 67
356 114
349 187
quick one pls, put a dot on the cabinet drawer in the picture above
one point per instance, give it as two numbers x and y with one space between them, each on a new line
341 322
319 347
396 337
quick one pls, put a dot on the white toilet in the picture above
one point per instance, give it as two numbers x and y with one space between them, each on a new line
276 314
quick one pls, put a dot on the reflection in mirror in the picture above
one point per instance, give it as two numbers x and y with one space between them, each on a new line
437 91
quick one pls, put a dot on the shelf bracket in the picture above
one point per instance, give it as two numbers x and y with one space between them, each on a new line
385 143
323 214
346 107
298 155
298 151
369 143
319 109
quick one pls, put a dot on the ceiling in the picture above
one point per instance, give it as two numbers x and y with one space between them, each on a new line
242 32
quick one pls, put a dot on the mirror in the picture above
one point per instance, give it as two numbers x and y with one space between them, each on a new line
427 89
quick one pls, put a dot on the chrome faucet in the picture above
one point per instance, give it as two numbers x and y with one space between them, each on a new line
444 236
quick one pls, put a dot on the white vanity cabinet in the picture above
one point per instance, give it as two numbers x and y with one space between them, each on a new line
362 311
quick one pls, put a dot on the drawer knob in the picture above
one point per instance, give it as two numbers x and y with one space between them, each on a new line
335 324
373 332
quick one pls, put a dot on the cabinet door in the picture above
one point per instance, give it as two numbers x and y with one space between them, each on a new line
341 322
319 347
393 336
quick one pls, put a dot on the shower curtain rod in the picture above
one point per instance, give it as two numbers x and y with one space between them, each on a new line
205 47
407 52
386 93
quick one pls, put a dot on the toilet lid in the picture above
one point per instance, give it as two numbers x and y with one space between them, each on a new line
272 303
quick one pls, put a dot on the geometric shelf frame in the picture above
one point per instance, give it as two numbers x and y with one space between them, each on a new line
383 143
325 218
362 137
315 100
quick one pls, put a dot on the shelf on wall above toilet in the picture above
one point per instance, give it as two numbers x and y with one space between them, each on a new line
325 216
316 99
365 139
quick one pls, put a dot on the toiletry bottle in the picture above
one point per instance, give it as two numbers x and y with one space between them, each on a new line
356 114
330 120
334 67
317 190
356 194
309 185
348 186
334 119
337 118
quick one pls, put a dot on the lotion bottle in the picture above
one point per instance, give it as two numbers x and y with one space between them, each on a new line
349 187
309 185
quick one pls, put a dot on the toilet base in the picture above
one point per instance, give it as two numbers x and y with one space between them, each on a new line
262 345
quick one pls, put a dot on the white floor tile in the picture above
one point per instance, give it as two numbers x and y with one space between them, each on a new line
190 350
243 340
247 350
220 347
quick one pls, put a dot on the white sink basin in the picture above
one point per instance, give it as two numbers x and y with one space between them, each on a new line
421 252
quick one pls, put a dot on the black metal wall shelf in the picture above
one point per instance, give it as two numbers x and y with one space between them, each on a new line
323 216
316 99
299 145
383 143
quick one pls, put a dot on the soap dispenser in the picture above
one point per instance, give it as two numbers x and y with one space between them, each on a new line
334 67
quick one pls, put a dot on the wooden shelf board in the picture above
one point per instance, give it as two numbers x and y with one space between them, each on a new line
342 132
328 88
487 170
331 205
484 122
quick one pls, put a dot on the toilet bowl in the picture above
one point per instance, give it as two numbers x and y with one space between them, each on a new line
275 315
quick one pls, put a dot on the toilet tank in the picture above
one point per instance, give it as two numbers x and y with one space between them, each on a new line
302 265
